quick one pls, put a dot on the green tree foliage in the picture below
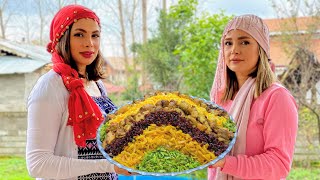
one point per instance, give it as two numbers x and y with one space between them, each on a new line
184 49
132 91
199 52
307 122
157 54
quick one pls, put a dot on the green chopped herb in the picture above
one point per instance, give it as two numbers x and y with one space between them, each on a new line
229 124
163 160
103 131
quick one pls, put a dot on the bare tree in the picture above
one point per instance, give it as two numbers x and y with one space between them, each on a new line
164 5
123 37
131 18
60 4
295 8
301 77
144 21
144 38
297 35
3 21
39 4
27 28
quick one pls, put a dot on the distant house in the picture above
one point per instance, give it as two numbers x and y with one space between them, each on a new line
114 89
279 56
116 69
20 66
116 73
301 27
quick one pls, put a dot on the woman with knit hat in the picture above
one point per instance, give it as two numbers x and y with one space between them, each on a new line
264 111
67 104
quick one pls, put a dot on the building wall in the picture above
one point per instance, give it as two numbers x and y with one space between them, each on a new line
14 91
13 133
280 54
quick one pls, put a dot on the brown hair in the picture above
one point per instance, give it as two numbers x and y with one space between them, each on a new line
263 74
95 69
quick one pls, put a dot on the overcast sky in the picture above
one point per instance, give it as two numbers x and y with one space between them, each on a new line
111 40
261 8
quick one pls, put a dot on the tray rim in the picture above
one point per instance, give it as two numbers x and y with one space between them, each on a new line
222 155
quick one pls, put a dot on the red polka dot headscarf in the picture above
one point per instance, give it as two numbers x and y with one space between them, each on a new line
84 114
64 18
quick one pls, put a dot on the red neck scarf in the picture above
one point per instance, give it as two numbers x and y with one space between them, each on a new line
84 114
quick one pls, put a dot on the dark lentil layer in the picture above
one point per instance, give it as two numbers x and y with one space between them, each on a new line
166 118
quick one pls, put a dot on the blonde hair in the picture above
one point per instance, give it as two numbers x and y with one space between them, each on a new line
263 74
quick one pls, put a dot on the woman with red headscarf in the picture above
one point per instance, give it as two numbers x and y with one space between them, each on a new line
67 104
264 111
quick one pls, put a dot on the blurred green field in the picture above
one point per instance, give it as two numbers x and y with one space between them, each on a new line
14 168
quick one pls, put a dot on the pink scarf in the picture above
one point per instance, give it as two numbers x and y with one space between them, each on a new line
240 108
240 111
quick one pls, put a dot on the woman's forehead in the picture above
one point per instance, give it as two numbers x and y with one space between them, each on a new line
236 34
86 24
